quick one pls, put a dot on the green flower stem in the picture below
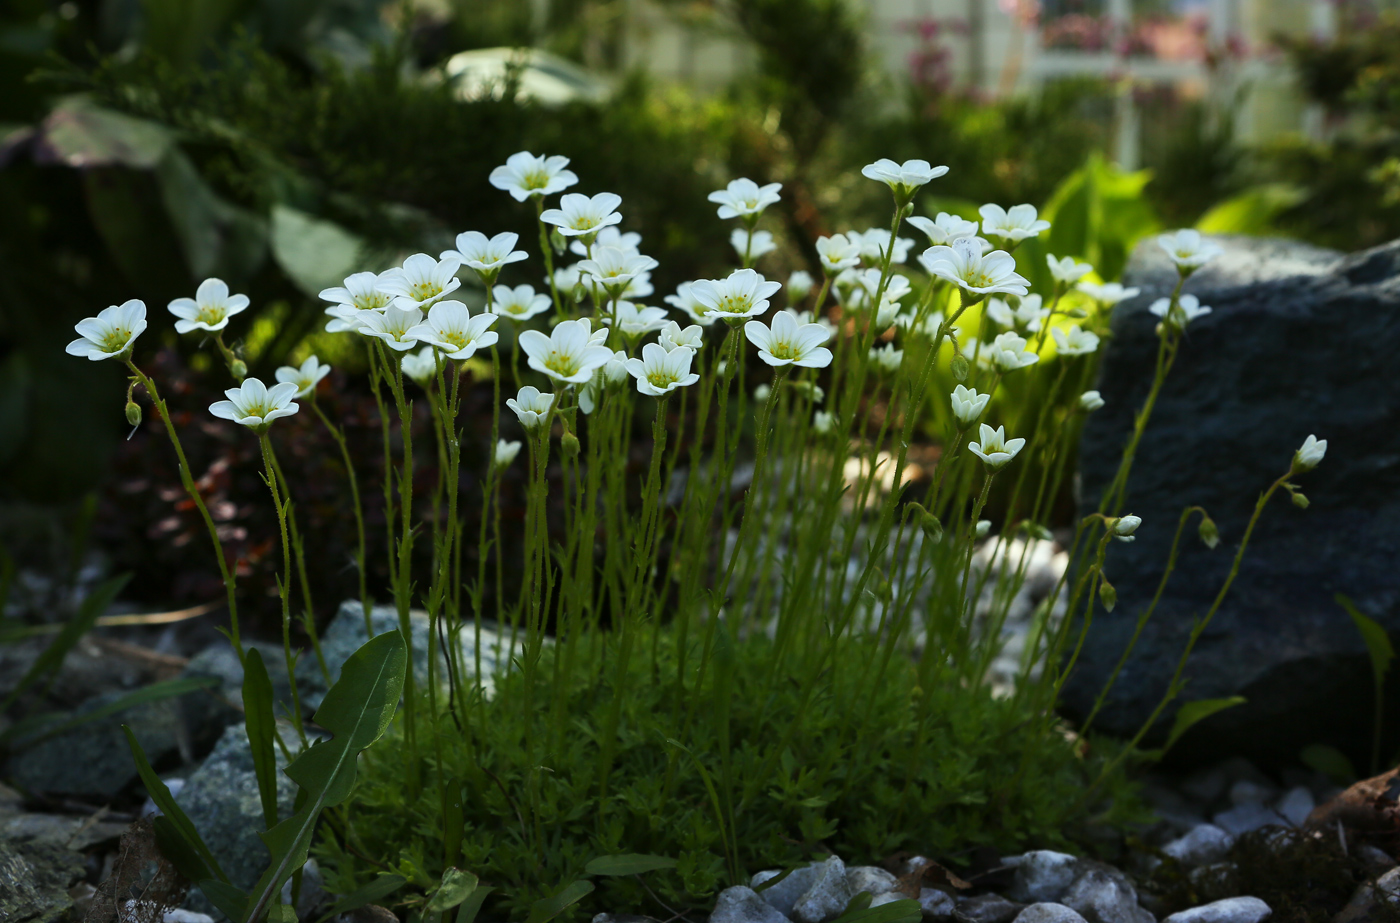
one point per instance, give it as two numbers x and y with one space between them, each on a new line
547 252
377 377
339 436
228 573
299 554
403 572
284 584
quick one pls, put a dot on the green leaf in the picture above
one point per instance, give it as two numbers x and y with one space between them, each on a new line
550 907
230 901
905 911
217 237
1377 641
52 657
172 845
356 710
1192 712
467 912
1329 761
181 828
760 888
80 134
628 864
155 692
315 254
1253 211
456 887
261 725
376 890
281 913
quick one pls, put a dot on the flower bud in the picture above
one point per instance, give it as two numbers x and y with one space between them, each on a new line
133 413
1036 531
1077 313
557 242
984 528
1090 401
1299 500
238 369
568 444
579 293
821 422
1108 594
960 367
933 528
762 392
1210 535
1124 526
1309 455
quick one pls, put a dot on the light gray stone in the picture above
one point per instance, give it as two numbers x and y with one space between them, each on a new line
1043 875
987 908
869 878
1295 805
34 881
1246 817
936 905
828 895
1248 791
783 895
1230 910
1204 844
1102 894
1049 912
744 905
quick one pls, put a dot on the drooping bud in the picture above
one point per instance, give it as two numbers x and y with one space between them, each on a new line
133 413
1210 535
932 526
1299 500
1107 593
569 445
984 528
960 367
557 242
238 369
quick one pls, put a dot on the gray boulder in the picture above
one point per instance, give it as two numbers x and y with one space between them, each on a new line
34 881
987 908
827 896
1204 844
783 895
1102 894
1049 912
744 905
936 906
1230 910
1042 875
1300 341
869 878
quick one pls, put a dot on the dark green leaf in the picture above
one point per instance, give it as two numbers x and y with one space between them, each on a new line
1329 761
467 912
180 824
550 907
315 254
172 845
261 725
1192 712
1377 641
456 887
905 911
52 657
230 901
281 913
356 711
628 864
376 890
155 692
83 135
760 888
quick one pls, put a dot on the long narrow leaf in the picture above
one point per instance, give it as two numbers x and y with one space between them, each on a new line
456 887
469 908
376 890
261 725
52 657
180 821
550 907
167 689
1377 641
356 710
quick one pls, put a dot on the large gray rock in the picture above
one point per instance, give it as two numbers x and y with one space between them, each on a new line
828 895
1049 912
346 634
1230 910
1204 844
1042 875
744 905
1103 894
1300 341
34 881
783 895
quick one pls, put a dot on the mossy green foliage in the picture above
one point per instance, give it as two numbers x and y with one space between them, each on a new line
866 766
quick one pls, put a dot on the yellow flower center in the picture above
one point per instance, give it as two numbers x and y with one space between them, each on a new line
422 291
661 379
535 179
456 337
372 301
114 341
782 350
211 314
561 364
733 304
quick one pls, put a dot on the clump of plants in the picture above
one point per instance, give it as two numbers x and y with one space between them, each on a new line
771 645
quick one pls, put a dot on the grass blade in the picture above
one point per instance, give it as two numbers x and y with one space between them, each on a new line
261 725
627 864
376 890
550 907
167 689
180 823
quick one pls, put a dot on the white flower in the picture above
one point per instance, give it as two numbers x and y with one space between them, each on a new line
565 279
684 300
420 366
903 179
422 280
874 242
567 354
1188 308
505 452
110 333
595 337
519 303
610 237
1110 293
964 265
255 405
659 372
614 268
994 448
983 528
525 175
639 287
1067 269
1310 453
487 255
1029 313
1124 526
944 229
1090 401
887 357
307 377
838 252
786 343
209 309
743 198
799 286
673 336
885 316
395 326
896 287
761 244
1015 225
821 421
744 293
1188 249
968 404
612 372
580 216
634 320
451 328
531 406
1076 341
1008 352
1000 312
361 292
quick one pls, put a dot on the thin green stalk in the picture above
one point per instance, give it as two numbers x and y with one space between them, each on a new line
284 583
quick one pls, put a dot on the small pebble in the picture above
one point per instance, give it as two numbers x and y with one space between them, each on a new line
1246 817
1248 791
1042 875
1102 894
828 895
1048 912
1230 910
744 905
987 908
869 878
783 895
1296 805
936 905
1205 843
